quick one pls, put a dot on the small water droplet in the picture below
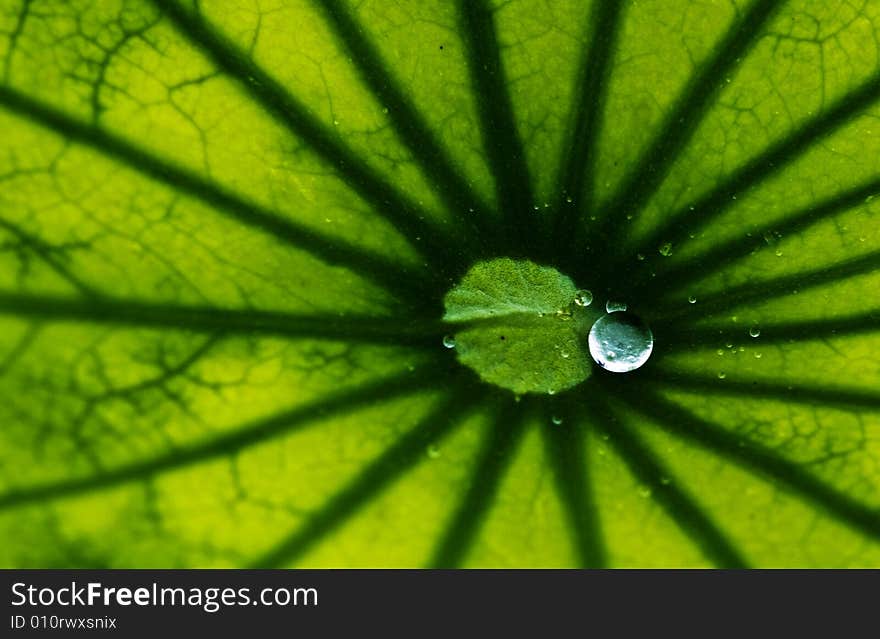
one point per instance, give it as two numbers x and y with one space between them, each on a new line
778 252
569 199
645 491
551 391
612 306
564 354
665 249
385 110
556 419
692 299
335 122
449 341
640 257
620 342
722 375
433 451
758 355
720 351
754 331
583 297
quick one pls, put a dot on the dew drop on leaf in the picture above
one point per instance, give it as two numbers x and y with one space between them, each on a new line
433 451
666 249
612 306
692 299
754 331
556 419
583 297
620 342
448 341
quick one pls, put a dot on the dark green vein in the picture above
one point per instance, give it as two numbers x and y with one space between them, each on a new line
136 313
375 478
750 454
692 217
396 277
232 441
565 445
429 237
44 252
501 139
759 291
725 254
409 124
820 396
576 167
691 338
681 507
683 119
496 454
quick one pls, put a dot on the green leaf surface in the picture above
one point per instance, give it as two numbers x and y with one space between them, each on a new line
518 326
230 232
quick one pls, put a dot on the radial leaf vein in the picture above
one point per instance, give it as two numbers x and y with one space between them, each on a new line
692 217
565 445
376 477
136 313
395 277
819 396
576 165
665 489
496 454
232 442
754 456
726 254
501 138
408 122
414 223
683 119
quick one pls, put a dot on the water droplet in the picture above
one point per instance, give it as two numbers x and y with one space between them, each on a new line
449 341
564 354
569 199
754 331
692 299
335 122
645 491
722 375
620 342
720 351
612 306
778 252
556 419
385 110
640 257
551 391
583 297
666 249
433 451
758 355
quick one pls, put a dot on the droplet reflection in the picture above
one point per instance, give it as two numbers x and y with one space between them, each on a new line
620 342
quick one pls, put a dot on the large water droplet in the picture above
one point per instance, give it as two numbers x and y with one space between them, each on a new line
583 297
620 342
612 307
448 341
